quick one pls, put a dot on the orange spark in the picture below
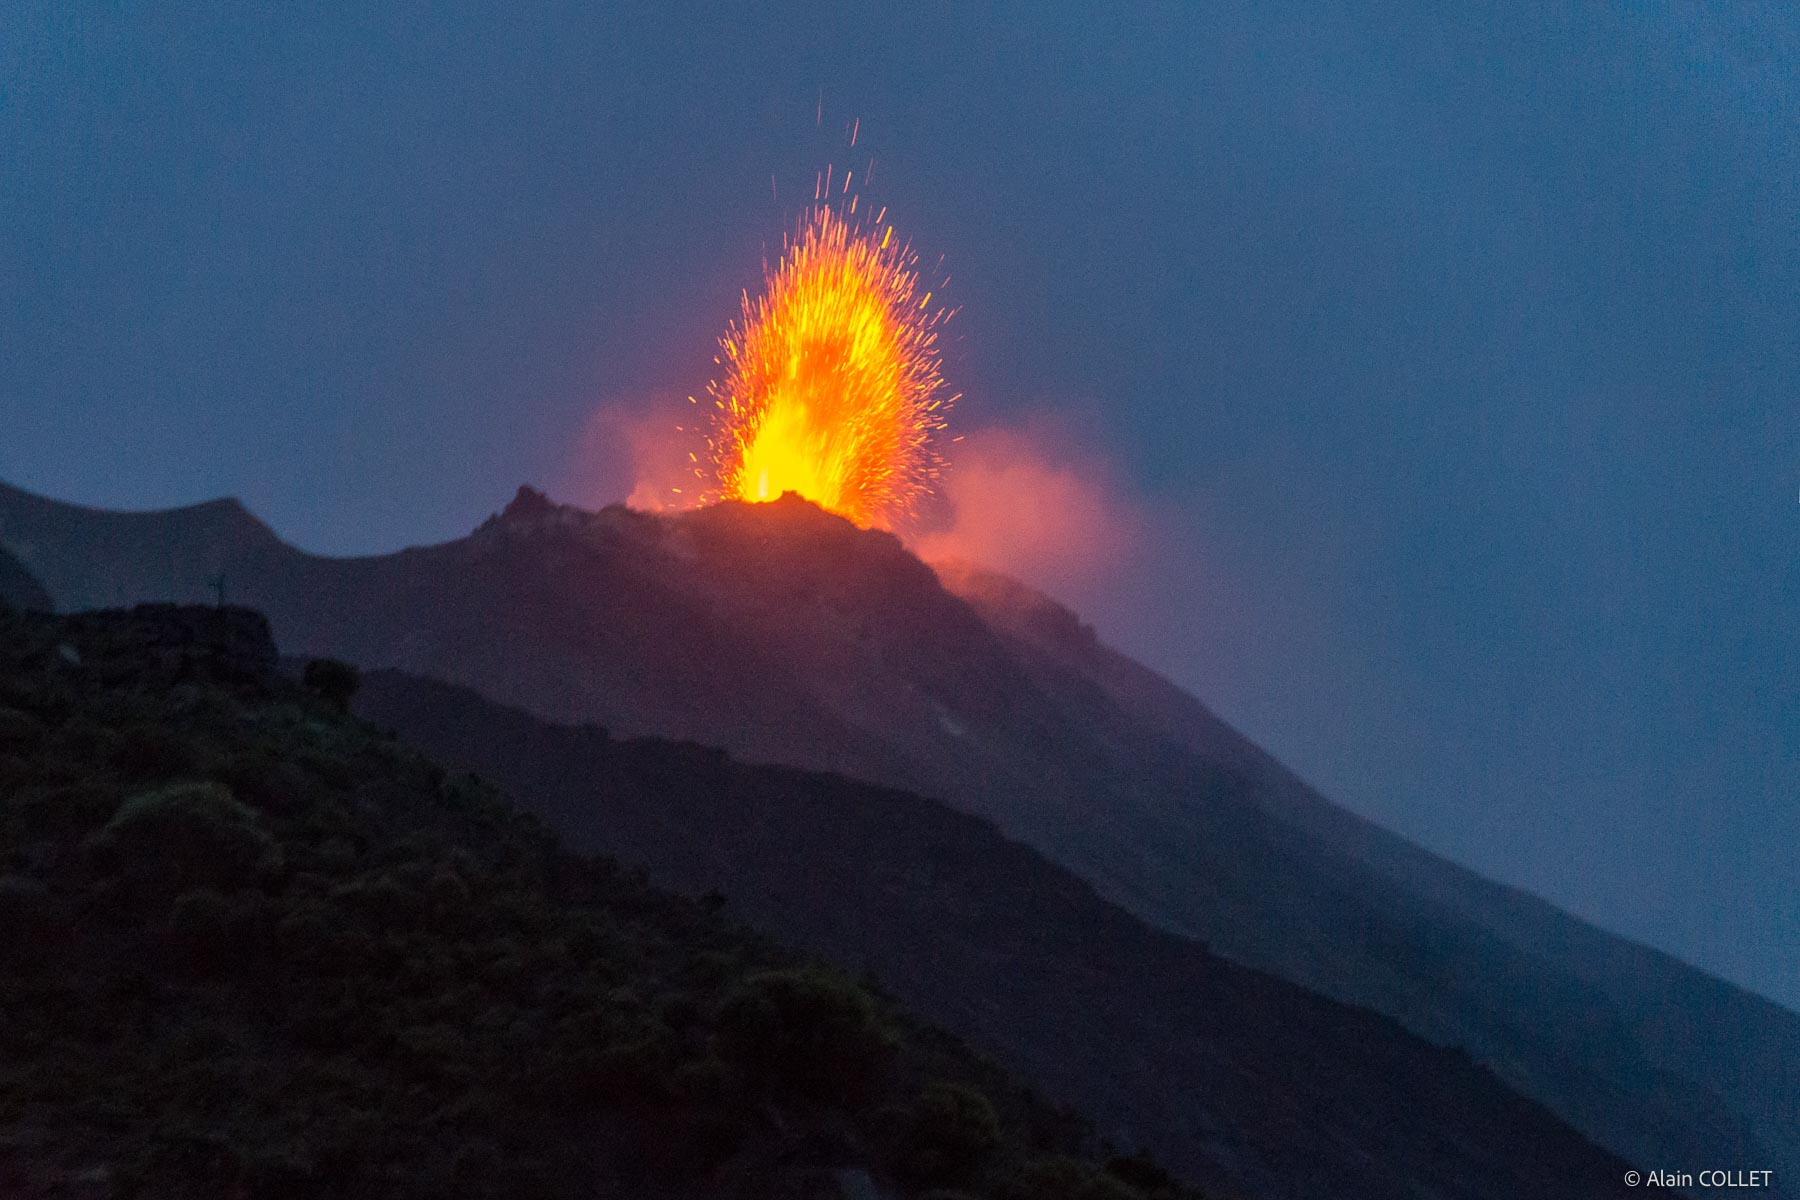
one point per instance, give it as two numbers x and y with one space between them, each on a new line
831 384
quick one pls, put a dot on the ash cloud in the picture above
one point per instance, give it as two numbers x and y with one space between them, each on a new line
637 451
1023 502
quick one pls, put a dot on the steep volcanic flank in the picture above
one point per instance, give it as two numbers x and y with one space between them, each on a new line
787 635
1245 1083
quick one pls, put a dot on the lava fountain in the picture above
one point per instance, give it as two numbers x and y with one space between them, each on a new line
831 385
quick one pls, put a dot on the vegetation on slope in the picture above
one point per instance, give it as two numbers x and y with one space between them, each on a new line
249 946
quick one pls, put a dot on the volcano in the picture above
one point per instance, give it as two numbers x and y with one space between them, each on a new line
786 635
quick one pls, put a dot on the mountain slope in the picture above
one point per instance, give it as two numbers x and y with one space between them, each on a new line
251 947
1237 1079
786 635
1736 1043
17 588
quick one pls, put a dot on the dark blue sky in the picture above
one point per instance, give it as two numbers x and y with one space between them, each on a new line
1455 355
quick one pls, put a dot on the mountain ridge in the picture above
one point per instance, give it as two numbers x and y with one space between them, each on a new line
18 587
786 635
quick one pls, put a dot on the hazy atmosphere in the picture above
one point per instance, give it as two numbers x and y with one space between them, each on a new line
1418 392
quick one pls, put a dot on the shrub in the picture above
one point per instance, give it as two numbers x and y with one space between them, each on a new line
806 1034
332 681
446 892
1142 1172
635 1070
259 776
31 920
202 916
704 1081
321 939
19 730
50 809
438 1050
150 751
82 740
185 836
946 1135
1065 1179
213 932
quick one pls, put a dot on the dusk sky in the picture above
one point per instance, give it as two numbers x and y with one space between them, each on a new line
1439 370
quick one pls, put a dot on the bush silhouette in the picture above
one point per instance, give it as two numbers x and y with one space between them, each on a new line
333 681
808 1033
1062 1178
946 1135
151 752
31 921
185 836
1143 1173
206 929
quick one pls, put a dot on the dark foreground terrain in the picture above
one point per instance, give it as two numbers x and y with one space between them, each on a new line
784 634
250 947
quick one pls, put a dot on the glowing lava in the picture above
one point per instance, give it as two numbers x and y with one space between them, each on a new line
831 383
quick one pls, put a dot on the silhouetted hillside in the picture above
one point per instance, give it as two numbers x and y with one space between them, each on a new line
1237 1078
787 635
17 587
251 948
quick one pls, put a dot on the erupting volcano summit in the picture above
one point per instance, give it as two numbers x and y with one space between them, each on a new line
831 385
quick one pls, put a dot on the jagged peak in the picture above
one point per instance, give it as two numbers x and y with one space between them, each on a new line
530 509
528 504
532 513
